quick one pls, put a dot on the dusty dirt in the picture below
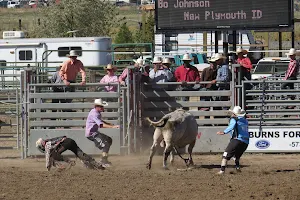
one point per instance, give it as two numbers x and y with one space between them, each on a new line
262 177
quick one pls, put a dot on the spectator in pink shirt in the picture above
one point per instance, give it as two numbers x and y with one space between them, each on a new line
110 78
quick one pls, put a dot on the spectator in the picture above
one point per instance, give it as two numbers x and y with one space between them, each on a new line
291 73
246 66
167 62
110 78
209 74
160 73
139 63
187 73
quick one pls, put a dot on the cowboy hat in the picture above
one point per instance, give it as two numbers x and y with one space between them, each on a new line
291 52
238 111
110 66
240 50
216 57
72 54
186 57
156 60
38 143
166 61
99 102
139 61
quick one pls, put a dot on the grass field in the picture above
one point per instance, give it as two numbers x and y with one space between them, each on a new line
9 20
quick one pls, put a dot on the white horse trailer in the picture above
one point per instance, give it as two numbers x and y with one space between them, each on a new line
193 42
50 52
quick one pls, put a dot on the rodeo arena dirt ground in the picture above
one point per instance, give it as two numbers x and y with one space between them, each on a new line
262 177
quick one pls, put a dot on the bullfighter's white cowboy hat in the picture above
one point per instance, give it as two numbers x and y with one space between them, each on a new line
216 57
38 143
99 102
110 66
139 61
291 52
240 50
238 111
72 54
186 57
156 60
166 61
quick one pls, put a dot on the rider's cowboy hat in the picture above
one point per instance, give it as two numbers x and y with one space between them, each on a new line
216 57
39 142
72 53
238 111
99 102
240 50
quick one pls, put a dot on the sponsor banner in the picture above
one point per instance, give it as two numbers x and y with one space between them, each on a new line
283 139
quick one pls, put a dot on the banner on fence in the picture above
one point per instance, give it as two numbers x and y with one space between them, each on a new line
274 139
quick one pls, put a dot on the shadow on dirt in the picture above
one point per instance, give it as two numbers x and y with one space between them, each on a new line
216 166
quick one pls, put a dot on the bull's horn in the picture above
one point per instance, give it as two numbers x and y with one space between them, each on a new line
154 123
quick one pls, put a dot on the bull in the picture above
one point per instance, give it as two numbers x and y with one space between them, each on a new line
177 129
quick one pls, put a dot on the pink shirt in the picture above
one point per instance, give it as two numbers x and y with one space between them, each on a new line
123 76
110 79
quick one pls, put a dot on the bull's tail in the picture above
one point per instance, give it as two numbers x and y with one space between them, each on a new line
159 123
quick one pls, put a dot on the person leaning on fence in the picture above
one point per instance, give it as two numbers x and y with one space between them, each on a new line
167 63
110 78
208 74
246 65
223 76
54 147
95 121
138 64
159 74
69 70
292 71
238 129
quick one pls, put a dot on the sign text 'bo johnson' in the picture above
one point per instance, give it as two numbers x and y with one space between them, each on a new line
223 14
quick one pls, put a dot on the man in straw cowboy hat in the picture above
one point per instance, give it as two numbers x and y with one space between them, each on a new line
238 129
54 147
160 73
293 69
138 64
95 121
110 78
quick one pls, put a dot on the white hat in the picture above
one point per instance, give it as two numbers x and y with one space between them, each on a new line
38 143
72 53
238 111
156 60
240 50
186 57
216 57
202 66
291 52
110 66
166 61
139 61
99 102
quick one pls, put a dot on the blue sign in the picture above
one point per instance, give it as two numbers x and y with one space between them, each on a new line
262 144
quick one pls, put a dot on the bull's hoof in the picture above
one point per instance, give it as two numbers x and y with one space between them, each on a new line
165 168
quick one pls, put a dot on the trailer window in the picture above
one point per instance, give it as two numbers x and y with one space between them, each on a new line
63 51
25 55
171 46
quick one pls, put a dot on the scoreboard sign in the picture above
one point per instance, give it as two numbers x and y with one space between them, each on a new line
222 14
